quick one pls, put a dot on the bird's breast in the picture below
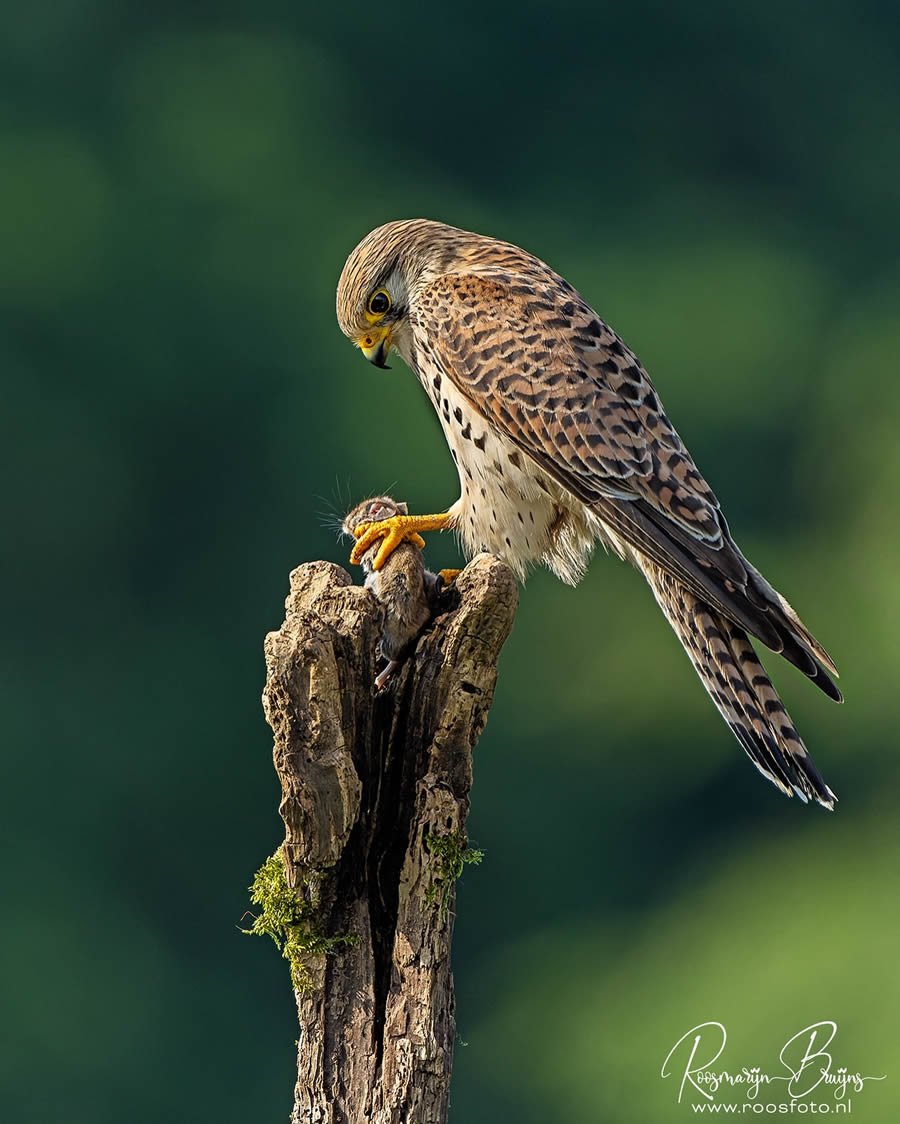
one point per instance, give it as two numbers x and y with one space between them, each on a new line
508 505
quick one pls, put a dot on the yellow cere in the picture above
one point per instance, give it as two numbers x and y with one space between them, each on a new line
370 340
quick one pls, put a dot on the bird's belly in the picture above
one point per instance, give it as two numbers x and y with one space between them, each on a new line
508 505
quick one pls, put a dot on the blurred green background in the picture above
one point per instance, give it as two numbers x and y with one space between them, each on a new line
179 187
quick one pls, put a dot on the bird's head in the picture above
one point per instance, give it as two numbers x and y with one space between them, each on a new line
380 280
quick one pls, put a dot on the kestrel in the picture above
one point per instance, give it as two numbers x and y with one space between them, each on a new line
561 441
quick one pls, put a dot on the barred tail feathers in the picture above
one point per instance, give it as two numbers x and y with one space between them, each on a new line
736 681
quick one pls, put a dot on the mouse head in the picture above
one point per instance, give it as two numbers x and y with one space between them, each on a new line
372 511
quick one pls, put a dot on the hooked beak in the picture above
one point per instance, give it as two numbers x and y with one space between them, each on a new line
375 345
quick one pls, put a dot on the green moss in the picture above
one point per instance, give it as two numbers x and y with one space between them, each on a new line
290 920
451 854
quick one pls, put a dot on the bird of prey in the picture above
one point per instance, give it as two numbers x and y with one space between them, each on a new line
561 442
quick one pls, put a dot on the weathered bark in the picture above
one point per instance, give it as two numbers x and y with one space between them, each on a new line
375 792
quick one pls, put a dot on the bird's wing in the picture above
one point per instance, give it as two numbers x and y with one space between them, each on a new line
537 362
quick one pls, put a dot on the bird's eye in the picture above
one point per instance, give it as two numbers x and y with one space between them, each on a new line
379 303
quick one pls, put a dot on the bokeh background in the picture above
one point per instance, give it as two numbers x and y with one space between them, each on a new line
181 420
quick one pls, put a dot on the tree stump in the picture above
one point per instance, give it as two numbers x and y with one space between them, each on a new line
375 796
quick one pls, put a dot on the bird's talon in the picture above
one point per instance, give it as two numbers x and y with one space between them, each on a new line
448 577
363 541
389 544
392 532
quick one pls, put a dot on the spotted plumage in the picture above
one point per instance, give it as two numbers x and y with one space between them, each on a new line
561 441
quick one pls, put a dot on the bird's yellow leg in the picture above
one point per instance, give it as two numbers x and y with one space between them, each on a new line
448 577
394 531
